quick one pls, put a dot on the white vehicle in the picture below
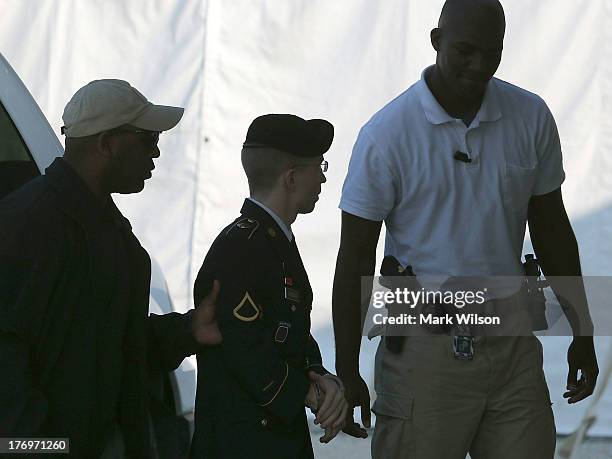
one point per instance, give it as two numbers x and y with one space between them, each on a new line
27 146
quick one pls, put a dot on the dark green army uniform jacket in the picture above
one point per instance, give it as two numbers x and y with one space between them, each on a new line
250 396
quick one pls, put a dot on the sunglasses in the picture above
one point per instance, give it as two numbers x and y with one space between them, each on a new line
149 137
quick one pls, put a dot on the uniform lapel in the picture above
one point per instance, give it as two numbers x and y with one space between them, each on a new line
274 233
286 251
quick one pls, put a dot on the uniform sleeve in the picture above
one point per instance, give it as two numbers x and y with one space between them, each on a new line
26 283
550 174
248 350
314 362
368 191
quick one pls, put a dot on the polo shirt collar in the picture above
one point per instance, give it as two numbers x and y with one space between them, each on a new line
490 109
435 114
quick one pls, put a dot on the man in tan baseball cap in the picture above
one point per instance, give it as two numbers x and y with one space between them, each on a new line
120 127
77 343
106 104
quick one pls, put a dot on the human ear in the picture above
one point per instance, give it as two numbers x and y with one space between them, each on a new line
104 144
289 179
435 38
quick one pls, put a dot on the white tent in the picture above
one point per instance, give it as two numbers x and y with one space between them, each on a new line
228 61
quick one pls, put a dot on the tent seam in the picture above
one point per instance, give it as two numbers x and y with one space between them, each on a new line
199 153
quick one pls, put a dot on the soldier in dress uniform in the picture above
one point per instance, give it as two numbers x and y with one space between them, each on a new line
251 398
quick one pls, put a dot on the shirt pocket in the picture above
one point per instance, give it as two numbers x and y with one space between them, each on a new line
518 185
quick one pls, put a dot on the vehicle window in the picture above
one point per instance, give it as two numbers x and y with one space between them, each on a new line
16 164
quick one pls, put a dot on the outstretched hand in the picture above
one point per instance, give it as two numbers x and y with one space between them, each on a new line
204 323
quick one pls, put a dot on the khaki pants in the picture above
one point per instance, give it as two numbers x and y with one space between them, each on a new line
432 406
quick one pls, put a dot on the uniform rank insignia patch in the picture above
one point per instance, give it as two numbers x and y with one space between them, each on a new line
282 332
292 294
247 310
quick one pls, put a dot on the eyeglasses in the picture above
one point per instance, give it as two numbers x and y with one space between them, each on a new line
151 138
324 165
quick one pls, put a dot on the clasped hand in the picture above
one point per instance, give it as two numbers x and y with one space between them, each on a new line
326 400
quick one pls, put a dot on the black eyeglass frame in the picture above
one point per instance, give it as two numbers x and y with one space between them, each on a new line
153 136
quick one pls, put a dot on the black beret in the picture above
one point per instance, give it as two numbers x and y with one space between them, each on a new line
290 133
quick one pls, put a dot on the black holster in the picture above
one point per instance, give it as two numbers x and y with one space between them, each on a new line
393 276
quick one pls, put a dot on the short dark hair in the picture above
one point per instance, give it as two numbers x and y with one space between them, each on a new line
454 10
264 165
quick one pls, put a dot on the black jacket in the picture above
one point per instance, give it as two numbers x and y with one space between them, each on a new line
75 342
250 403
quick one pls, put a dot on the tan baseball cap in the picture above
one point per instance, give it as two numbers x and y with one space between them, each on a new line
106 104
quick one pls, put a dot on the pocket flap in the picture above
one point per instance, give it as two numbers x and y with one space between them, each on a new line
394 406
376 330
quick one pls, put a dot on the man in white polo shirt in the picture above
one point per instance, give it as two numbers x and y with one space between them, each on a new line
456 166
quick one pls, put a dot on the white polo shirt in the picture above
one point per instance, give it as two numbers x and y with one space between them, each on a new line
446 217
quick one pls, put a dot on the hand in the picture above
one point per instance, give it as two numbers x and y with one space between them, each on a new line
357 394
332 407
581 356
312 397
203 322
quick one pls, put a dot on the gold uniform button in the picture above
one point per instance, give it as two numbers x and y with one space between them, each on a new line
264 422
271 232
293 308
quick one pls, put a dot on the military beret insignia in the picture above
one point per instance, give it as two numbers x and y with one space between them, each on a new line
247 310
